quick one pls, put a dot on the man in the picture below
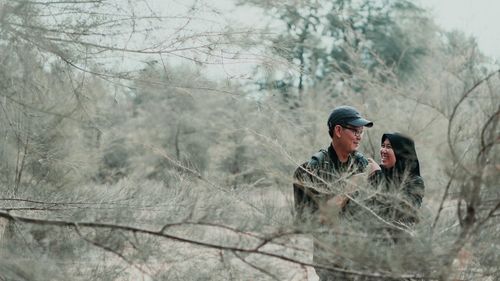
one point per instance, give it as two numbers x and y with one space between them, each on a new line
320 183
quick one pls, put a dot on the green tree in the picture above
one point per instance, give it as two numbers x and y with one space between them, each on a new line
325 38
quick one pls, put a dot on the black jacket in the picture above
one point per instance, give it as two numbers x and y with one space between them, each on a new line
397 200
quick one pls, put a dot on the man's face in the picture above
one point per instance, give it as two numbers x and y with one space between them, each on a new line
350 137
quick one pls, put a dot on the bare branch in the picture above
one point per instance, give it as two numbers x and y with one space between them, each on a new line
255 267
194 242
488 216
453 115
110 250
487 145
59 2
445 196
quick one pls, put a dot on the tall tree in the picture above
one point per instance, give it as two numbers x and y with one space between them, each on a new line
324 38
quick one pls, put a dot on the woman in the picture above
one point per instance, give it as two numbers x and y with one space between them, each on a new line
400 188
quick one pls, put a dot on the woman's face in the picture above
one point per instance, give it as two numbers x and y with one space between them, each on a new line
387 156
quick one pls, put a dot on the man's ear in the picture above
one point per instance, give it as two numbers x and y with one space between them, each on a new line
337 130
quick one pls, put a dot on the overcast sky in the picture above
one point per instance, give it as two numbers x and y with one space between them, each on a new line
480 18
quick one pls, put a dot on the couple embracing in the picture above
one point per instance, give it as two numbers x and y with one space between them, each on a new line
325 187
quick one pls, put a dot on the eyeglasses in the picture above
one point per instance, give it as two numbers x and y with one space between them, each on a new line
356 132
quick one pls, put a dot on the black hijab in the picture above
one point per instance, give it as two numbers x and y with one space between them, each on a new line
406 156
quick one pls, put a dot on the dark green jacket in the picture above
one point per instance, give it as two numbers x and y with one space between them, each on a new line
319 179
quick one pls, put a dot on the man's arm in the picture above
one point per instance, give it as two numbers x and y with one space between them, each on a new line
303 201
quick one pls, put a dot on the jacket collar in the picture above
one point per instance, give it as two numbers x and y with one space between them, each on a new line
332 154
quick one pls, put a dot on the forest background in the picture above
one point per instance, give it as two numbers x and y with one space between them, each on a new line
139 144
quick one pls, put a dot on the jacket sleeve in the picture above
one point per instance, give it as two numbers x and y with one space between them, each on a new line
303 201
360 161
413 191
376 179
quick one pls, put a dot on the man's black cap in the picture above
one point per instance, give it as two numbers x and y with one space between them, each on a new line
347 115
